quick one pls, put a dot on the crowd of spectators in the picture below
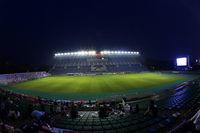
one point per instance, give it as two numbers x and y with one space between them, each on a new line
42 120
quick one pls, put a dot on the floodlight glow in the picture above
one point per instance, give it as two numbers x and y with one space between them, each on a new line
79 53
89 53
118 52
92 52
181 61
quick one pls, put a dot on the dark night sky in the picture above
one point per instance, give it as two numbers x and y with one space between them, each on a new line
32 31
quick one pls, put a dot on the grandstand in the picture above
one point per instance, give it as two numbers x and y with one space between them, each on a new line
20 77
97 62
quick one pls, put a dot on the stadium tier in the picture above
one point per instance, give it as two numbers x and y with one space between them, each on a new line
20 77
94 62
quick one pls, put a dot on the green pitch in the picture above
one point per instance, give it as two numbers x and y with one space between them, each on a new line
99 86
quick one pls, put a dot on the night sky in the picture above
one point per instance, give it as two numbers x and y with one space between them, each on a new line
32 31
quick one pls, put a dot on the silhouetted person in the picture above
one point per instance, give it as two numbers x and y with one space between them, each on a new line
39 100
136 108
152 109
42 107
30 109
42 120
51 110
102 111
73 113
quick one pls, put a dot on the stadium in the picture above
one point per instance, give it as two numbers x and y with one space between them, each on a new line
102 91
95 75
99 66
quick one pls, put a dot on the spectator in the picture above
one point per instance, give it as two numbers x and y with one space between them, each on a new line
134 109
3 110
38 115
58 108
30 109
13 114
127 108
103 111
73 113
42 107
42 120
137 108
51 110
152 109
4 128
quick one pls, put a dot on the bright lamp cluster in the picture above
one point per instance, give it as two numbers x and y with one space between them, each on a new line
92 53
119 53
78 53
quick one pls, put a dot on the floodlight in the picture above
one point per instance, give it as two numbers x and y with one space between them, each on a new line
86 52
90 52
79 52
94 52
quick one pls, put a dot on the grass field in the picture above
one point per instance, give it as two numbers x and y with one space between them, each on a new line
99 86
